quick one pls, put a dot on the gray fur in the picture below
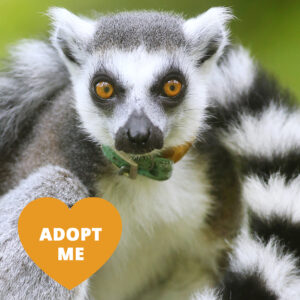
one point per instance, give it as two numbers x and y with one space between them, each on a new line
128 30
36 74
58 139
20 278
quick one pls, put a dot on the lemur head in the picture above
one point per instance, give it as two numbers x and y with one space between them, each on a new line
139 78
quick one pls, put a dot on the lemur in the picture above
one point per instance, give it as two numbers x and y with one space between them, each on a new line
183 132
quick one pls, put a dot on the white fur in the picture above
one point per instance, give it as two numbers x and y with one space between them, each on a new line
208 26
164 222
82 291
137 70
152 212
159 218
75 31
276 131
37 71
276 197
208 294
232 78
31 55
278 270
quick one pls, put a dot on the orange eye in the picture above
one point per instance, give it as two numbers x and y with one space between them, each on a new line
104 89
172 88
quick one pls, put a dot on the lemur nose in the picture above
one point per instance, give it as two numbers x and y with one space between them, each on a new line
138 136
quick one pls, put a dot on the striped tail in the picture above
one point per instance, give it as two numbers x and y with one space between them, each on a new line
260 127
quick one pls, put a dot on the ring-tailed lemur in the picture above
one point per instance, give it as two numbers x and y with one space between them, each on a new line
140 85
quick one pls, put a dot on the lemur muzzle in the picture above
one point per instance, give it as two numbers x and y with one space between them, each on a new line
139 135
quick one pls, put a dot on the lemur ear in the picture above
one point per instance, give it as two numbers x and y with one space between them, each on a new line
207 34
70 34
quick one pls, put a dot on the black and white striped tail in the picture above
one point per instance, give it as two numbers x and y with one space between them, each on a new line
262 131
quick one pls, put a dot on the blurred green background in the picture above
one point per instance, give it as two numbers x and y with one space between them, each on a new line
269 28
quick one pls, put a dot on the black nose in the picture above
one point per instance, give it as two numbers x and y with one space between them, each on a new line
139 135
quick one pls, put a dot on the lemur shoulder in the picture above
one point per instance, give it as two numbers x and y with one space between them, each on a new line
141 83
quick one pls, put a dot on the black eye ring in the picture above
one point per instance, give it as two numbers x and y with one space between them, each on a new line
167 101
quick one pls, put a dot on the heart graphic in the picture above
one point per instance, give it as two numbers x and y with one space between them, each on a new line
70 244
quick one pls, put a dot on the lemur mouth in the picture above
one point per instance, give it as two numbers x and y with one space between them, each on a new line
157 166
172 153
139 151
139 144
143 153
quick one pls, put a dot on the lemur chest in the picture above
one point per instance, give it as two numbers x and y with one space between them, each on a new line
159 218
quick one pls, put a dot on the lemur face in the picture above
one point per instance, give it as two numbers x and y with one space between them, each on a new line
139 102
139 78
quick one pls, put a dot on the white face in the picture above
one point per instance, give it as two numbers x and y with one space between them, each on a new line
138 71
140 112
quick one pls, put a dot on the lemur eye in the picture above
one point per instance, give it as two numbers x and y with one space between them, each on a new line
104 89
172 87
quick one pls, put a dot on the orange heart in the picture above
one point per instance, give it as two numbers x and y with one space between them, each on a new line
48 229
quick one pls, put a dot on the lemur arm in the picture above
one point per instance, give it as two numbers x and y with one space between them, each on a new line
262 131
20 278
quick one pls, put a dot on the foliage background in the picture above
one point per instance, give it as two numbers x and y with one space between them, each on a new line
269 28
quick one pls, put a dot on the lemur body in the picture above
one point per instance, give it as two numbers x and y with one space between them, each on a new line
176 234
160 219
